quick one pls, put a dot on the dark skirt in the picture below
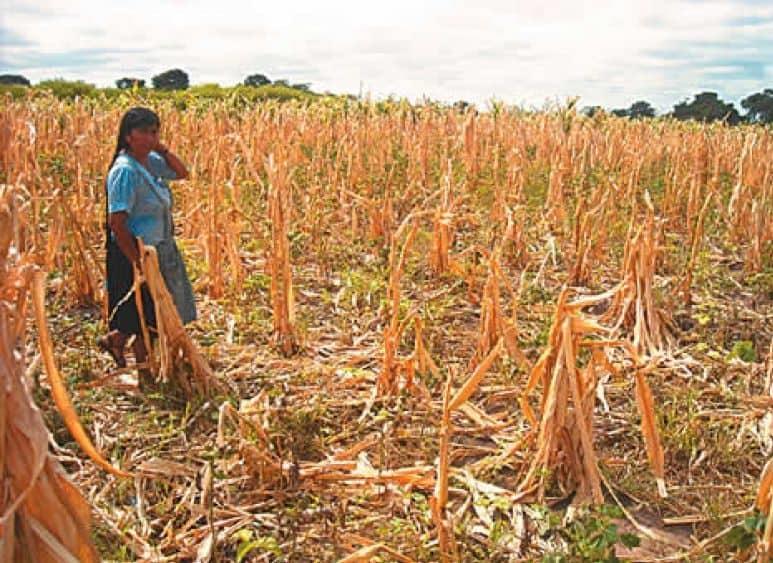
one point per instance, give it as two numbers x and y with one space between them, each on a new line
120 278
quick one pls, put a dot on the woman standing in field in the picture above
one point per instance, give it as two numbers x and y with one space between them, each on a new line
139 206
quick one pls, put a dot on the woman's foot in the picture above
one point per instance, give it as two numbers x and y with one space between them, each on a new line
110 344
145 380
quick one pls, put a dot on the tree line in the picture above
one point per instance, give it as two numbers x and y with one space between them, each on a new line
705 107
173 79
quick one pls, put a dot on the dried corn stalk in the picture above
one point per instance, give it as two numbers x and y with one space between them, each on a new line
370 550
633 305
43 517
740 200
764 504
565 435
58 389
555 204
380 218
442 232
364 554
254 443
282 299
760 234
589 228
646 405
214 235
388 380
438 501
697 236
513 240
470 146
174 344
419 361
86 274
494 325
472 383
260 460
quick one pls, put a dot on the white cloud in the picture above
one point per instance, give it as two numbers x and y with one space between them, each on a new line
609 52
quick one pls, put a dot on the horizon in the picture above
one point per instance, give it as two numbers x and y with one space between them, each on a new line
611 54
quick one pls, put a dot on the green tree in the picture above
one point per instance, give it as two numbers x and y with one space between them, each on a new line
641 109
174 79
11 79
591 111
256 80
759 106
638 110
707 107
461 105
127 83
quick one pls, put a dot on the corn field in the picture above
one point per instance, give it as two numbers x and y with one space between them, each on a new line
423 333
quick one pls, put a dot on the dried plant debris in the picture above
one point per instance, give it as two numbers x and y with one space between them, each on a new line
424 334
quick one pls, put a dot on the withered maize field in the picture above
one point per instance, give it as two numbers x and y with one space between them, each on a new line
424 334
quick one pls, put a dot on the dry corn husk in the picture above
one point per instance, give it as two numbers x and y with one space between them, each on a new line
43 517
633 305
564 442
174 344
440 498
391 363
764 505
282 297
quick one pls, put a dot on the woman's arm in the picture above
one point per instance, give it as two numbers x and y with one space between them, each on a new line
173 161
124 237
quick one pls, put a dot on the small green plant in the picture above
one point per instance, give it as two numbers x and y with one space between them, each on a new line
249 543
743 350
745 534
592 537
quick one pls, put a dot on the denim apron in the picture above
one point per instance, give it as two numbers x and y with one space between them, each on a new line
170 261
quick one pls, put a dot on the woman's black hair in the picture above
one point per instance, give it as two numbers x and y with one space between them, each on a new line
132 119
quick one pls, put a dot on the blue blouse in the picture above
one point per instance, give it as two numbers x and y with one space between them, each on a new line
128 190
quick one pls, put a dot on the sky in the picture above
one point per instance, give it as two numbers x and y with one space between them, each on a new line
608 52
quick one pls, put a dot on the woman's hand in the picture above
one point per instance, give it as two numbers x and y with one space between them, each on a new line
161 149
124 238
172 160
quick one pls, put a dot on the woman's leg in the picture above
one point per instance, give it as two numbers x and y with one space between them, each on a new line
124 317
140 353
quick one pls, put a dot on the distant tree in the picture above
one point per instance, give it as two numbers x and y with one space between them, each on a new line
126 83
461 105
638 110
707 107
256 80
174 79
14 79
282 82
302 86
759 106
641 109
590 111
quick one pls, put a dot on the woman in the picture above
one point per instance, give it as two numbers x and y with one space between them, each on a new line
139 206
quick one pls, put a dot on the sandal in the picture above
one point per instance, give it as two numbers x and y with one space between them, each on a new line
106 345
